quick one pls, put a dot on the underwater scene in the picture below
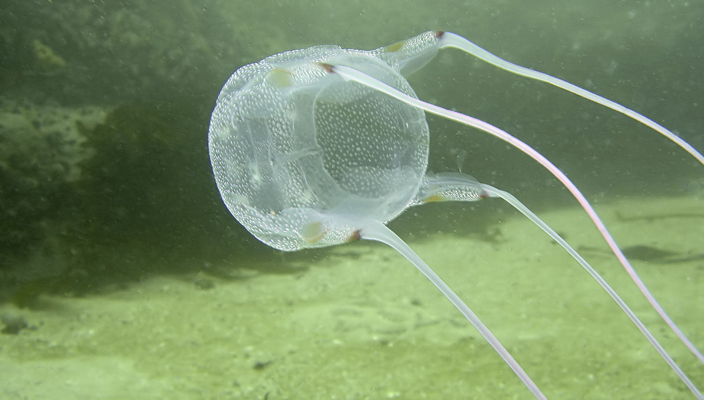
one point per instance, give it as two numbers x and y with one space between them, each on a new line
123 273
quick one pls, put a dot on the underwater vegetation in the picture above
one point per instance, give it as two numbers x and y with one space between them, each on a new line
110 52
90 128
40 153
144 183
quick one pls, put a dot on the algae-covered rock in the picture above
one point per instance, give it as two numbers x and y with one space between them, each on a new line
40 153
97 195
110 52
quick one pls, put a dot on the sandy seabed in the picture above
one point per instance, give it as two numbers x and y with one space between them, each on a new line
362 323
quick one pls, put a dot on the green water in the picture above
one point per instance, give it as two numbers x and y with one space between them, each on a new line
123 276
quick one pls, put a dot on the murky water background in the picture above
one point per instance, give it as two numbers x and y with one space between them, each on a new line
123 275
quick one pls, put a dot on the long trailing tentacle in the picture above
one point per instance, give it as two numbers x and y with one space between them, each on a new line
449 39
353 75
